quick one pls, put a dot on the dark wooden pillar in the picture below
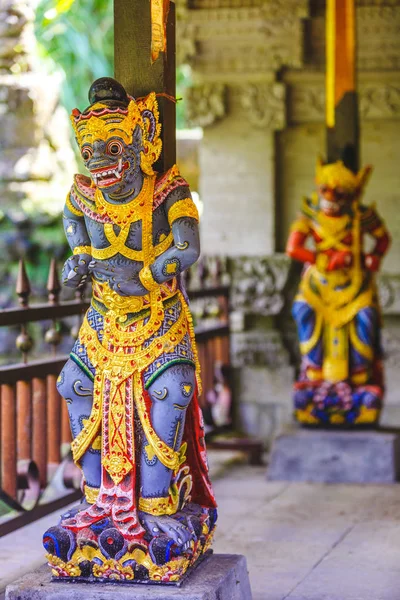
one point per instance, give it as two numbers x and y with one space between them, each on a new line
133 65
341 96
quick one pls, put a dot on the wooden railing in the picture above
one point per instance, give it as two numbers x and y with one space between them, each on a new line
34 425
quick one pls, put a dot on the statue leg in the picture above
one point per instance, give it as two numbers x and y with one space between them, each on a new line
309 326
171 394
77 390
364 340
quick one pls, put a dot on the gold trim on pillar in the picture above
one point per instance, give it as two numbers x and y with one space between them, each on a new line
159 14
340 54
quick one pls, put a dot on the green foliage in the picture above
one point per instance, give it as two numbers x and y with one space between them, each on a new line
76 38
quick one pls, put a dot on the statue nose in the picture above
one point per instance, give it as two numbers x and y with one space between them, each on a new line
329 195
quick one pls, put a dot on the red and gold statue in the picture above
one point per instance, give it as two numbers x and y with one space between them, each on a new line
336 309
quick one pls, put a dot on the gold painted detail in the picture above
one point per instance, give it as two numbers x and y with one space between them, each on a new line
127 212
171 268
118 305
123 215
332 231
112 569
183 208
118 245
161 506
61 568
82 250
75 211
91 493
335 367
159 13
361 378
367 415
147 279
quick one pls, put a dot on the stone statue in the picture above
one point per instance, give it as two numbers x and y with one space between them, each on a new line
336 309
132 380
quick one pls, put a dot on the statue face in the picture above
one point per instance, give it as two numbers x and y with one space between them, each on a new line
114 165
334 201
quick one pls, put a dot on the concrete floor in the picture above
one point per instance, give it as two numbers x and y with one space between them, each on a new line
302 541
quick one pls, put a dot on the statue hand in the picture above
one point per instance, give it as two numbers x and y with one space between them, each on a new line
340 259
119 278
75 270
372 262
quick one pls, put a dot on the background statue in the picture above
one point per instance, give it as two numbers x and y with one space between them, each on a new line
336 309
132 380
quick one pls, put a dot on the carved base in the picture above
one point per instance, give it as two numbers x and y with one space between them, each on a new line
323 404
101 554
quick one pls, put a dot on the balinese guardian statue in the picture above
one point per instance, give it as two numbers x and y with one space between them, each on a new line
336 309
132 381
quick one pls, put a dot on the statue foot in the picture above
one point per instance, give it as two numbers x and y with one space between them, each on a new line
172 527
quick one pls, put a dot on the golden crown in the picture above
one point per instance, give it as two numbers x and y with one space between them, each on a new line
337 174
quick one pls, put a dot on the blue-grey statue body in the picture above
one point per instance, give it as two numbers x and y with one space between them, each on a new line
132 381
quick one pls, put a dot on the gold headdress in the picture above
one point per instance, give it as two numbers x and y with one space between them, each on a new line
338 175
101 121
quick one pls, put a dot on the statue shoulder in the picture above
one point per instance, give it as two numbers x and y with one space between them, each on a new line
82 194
369 218
168 182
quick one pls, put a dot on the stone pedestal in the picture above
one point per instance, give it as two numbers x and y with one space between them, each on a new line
336 457
218 577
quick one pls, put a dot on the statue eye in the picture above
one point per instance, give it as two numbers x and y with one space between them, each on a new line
114 148
86 153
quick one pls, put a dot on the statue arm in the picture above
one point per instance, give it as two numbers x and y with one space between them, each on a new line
75 269
75 228
183 218
373 225
295 247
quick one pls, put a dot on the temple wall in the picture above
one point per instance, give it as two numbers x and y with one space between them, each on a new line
258 92
244 178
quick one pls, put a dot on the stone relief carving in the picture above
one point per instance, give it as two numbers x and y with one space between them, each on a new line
206 104
186 41
258 284
378 100
306 103
389 293
265 104
284 8
259 348
247 38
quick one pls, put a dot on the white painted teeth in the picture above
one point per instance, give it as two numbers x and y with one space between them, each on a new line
115 172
